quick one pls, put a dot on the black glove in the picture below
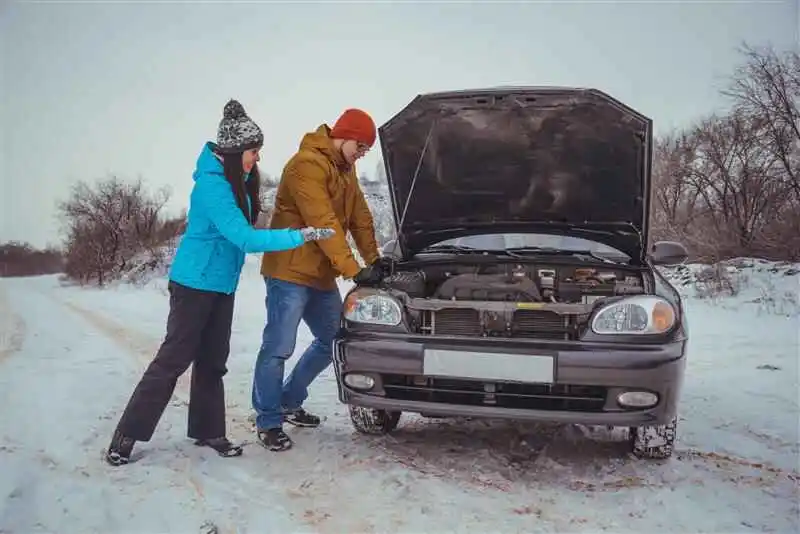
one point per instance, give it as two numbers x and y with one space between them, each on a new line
369 276
385 264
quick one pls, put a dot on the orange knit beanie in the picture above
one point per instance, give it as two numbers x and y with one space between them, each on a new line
356 125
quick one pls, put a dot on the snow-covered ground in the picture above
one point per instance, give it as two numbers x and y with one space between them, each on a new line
69 358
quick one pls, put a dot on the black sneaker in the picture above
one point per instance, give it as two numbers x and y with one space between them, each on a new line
119 450
274 439
300 417
223 446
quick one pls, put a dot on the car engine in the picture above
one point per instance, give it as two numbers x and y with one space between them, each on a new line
494 299
515 283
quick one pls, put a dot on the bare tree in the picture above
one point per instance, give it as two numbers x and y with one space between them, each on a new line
675 201
728 186
767 88
110 225
735 178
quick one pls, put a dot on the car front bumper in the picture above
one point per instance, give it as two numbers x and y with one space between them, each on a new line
588 377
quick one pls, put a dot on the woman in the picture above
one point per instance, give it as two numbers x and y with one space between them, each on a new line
224 205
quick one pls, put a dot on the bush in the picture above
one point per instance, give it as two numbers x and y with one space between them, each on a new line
113 229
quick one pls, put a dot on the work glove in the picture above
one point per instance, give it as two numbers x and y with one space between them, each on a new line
369 276
385 265
316 234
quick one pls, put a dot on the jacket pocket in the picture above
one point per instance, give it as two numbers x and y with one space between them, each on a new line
222 262
308 260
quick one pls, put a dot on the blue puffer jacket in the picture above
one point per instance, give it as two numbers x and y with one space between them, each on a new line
212 250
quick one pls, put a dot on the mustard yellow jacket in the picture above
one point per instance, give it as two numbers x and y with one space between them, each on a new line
319 189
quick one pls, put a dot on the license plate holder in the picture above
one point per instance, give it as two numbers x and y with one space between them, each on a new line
489 366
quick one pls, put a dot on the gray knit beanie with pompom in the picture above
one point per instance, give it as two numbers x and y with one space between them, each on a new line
237 132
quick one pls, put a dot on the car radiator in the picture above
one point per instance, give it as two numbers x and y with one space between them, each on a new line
467 322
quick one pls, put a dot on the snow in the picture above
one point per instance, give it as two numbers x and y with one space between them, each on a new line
70 357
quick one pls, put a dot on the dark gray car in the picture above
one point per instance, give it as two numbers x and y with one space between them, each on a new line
525 285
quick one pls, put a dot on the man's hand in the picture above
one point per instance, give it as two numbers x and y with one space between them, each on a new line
385 265
369 276
316 234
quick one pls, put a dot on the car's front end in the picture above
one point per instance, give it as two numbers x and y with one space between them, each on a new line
604 352
562 332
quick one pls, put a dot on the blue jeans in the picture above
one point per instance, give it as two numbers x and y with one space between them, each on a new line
287 303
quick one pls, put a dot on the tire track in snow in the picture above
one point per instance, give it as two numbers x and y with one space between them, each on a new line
12 328
308 491
142 347
54 472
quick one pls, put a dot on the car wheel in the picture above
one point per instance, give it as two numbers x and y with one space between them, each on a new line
653 442
373 421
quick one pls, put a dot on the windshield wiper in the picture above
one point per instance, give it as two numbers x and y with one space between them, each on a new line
556 251
457 248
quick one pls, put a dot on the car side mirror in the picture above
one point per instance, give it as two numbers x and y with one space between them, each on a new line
668 253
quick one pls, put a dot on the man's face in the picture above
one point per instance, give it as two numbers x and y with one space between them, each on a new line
353 151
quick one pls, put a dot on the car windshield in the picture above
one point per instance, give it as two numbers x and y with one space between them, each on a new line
500 242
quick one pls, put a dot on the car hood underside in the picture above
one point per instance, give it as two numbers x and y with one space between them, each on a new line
570 161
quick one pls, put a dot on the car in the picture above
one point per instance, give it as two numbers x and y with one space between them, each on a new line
523 283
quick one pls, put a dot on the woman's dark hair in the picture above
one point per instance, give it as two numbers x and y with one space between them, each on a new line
234 173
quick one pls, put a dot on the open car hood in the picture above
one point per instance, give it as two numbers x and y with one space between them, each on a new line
545 160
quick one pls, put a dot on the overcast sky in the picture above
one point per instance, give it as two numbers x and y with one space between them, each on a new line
90 89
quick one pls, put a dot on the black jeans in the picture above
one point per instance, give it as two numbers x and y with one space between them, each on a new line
198 332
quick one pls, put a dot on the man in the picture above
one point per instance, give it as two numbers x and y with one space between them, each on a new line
318 188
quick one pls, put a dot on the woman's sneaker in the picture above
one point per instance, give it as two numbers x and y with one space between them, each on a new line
223 446
274 439
300 417
119 450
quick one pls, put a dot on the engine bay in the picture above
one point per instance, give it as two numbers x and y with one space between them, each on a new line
515 283
501 299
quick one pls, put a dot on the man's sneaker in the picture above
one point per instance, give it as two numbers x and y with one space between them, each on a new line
223 446
300 417
119 450
274 439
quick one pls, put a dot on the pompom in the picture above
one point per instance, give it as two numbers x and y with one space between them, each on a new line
233 110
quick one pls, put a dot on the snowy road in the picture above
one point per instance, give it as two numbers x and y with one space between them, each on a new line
69 358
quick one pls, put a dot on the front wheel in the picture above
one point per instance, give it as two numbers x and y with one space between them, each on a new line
654 442
373 421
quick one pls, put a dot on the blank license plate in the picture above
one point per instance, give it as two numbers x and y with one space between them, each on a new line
488 366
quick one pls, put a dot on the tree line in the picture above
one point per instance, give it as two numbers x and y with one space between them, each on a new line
22 259
729 185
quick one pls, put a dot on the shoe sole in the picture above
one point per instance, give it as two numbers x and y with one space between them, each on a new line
233 452
302 425
276 448
115 461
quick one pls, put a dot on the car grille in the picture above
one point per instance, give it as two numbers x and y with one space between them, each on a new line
535 324
553 397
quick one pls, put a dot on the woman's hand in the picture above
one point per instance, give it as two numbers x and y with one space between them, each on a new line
316 234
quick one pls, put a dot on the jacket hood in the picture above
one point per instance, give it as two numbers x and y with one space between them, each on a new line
320 141
541 160
209 163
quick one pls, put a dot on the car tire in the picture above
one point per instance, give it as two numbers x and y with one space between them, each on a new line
653 442
373 421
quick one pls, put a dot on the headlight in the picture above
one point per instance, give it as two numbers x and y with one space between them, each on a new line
642 314
368 306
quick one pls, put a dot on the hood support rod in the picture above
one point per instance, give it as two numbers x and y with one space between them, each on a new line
416 174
